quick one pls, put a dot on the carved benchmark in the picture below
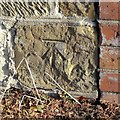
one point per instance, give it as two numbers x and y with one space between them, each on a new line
65 52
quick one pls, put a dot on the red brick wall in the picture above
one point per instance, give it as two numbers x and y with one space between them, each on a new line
109 15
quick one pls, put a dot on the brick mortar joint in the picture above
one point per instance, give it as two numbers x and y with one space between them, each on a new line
108 46
110 92
109 70
108 21
84 21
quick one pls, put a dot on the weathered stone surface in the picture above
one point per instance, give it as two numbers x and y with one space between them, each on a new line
3 54
77 9
6 58
67 53
24 9
47 9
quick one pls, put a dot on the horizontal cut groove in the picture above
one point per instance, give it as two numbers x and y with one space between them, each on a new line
52 40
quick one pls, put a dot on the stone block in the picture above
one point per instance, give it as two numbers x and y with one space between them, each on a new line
67 53
47 9
24 9
77 9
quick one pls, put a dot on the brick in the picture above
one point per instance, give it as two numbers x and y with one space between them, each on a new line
77 9
109 57
111 97
110 34
109 10
110 81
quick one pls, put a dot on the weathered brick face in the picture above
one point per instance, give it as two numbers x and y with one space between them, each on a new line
109 58
67 53
110 50
110 33
110 81
111 97
109 10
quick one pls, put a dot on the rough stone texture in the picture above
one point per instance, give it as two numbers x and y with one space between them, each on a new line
67 53
110 81
3 54
24 9
6 58
45 9
76 9
110 58
109 10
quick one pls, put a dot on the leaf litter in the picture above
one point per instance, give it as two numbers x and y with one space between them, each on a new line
56 108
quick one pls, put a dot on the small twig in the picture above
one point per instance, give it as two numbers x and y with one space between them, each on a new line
23 99
33 80
63 89
20 63
18 66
